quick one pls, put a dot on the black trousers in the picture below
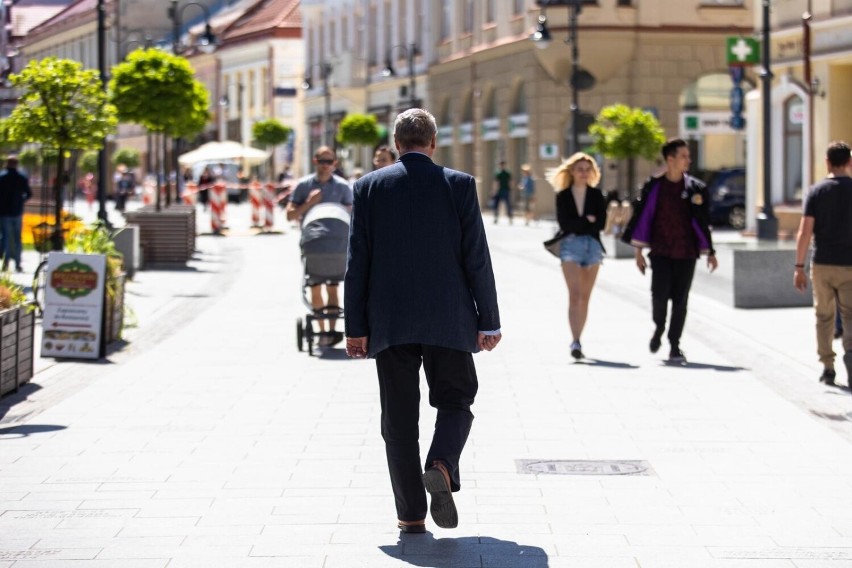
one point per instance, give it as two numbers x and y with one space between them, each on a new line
671 279
451 377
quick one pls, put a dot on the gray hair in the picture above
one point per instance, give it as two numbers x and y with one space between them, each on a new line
414 128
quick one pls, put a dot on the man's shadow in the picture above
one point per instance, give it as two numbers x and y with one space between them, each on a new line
464 552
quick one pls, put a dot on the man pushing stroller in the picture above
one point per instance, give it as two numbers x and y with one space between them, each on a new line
321 187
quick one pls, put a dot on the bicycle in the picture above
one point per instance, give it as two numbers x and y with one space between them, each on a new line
38 287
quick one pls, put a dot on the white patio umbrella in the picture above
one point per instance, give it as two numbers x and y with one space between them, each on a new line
227 150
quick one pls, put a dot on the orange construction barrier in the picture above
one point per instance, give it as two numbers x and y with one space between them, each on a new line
255 192
190 193
269 206
149 191
218 202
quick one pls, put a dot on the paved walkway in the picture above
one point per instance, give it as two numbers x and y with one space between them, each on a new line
210 441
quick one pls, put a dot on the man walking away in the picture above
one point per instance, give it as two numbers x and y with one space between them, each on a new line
502 191
420 290
14 191
828 218
672 218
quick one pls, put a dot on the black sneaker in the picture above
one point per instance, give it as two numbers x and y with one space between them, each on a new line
656 342
828 375
677 356
847 360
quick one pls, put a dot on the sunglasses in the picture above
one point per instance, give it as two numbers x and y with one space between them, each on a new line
325 161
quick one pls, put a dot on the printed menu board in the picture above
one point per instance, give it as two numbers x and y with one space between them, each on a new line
74 305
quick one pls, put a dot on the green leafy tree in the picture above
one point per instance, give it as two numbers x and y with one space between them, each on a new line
159 91
621 132
126 157
270 132
29 159
89 162
62 107
359 130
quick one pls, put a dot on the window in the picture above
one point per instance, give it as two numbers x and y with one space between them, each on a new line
489 11
626 3
446 19
518 7
467 17
794 113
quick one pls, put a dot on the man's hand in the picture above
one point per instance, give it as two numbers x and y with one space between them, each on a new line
488 342
356 347
640 260
800 280
712 263
313 197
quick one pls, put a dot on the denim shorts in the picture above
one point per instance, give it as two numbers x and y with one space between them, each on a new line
582 249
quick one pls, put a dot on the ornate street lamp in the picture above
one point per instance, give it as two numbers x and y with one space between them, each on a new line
410 52
325 69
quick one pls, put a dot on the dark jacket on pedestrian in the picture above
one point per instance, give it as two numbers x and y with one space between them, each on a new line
419 269
638 230
14 191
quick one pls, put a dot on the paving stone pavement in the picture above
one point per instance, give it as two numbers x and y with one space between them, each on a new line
209 440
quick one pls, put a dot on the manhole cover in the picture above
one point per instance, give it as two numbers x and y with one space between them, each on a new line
585 467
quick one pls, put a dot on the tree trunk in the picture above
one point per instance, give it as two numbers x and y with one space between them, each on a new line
157 169
166 172
58 240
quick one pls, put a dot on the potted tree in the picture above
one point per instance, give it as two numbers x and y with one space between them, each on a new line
17 323
359 130
270 132
62 107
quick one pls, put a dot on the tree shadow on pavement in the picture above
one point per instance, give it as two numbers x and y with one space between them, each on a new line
14 398
705 367
602 363
464 552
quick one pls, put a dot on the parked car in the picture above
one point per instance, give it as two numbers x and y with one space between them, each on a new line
727 197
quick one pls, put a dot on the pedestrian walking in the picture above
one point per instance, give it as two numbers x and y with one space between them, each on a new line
321 186
205 182
14 192
383 156
502 191
527 189
581 212
420 290
671 217
828 219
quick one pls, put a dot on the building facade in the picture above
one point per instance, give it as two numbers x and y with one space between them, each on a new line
809 103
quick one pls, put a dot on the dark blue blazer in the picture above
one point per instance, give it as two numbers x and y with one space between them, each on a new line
418 269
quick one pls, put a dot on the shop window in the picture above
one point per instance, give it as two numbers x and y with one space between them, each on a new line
794 114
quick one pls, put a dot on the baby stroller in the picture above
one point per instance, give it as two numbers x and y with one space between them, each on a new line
325 238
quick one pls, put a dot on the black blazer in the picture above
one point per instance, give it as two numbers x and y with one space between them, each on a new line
418 267
572 222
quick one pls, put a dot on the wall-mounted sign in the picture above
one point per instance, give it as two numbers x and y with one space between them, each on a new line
519 126
705 122
491 128
741 50
74 306
445 135
548 151
466 133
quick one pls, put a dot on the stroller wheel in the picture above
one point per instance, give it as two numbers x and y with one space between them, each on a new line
309 337
300 335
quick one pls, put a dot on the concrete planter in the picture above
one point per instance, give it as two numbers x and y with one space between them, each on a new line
17 326
114 313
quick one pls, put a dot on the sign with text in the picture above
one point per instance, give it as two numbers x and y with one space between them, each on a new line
74 305
705 122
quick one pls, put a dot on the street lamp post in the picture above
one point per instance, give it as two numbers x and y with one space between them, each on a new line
410 52
206 43
767 223
307 84
102 152
542 39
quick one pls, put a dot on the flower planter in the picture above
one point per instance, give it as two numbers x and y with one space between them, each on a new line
16 348
167 237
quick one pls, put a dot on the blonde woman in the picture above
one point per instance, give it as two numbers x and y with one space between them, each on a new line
581 212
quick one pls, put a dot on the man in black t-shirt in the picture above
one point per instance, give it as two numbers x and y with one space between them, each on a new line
828 218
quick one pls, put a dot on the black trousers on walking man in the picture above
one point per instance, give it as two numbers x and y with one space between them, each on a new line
451 377
671 280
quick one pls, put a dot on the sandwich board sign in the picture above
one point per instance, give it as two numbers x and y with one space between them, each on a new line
72 326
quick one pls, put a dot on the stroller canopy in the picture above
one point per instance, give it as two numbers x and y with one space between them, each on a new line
325 238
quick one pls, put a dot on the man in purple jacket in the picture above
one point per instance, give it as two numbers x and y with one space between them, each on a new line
671 217
419 291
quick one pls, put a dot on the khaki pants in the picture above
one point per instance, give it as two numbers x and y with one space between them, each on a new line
831 283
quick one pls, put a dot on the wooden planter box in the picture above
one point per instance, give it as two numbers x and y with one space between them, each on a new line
167 236
16 348
114 314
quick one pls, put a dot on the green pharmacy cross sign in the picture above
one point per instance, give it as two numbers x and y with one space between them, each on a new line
742 51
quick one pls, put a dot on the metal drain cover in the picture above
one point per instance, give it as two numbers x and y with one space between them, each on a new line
585 467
